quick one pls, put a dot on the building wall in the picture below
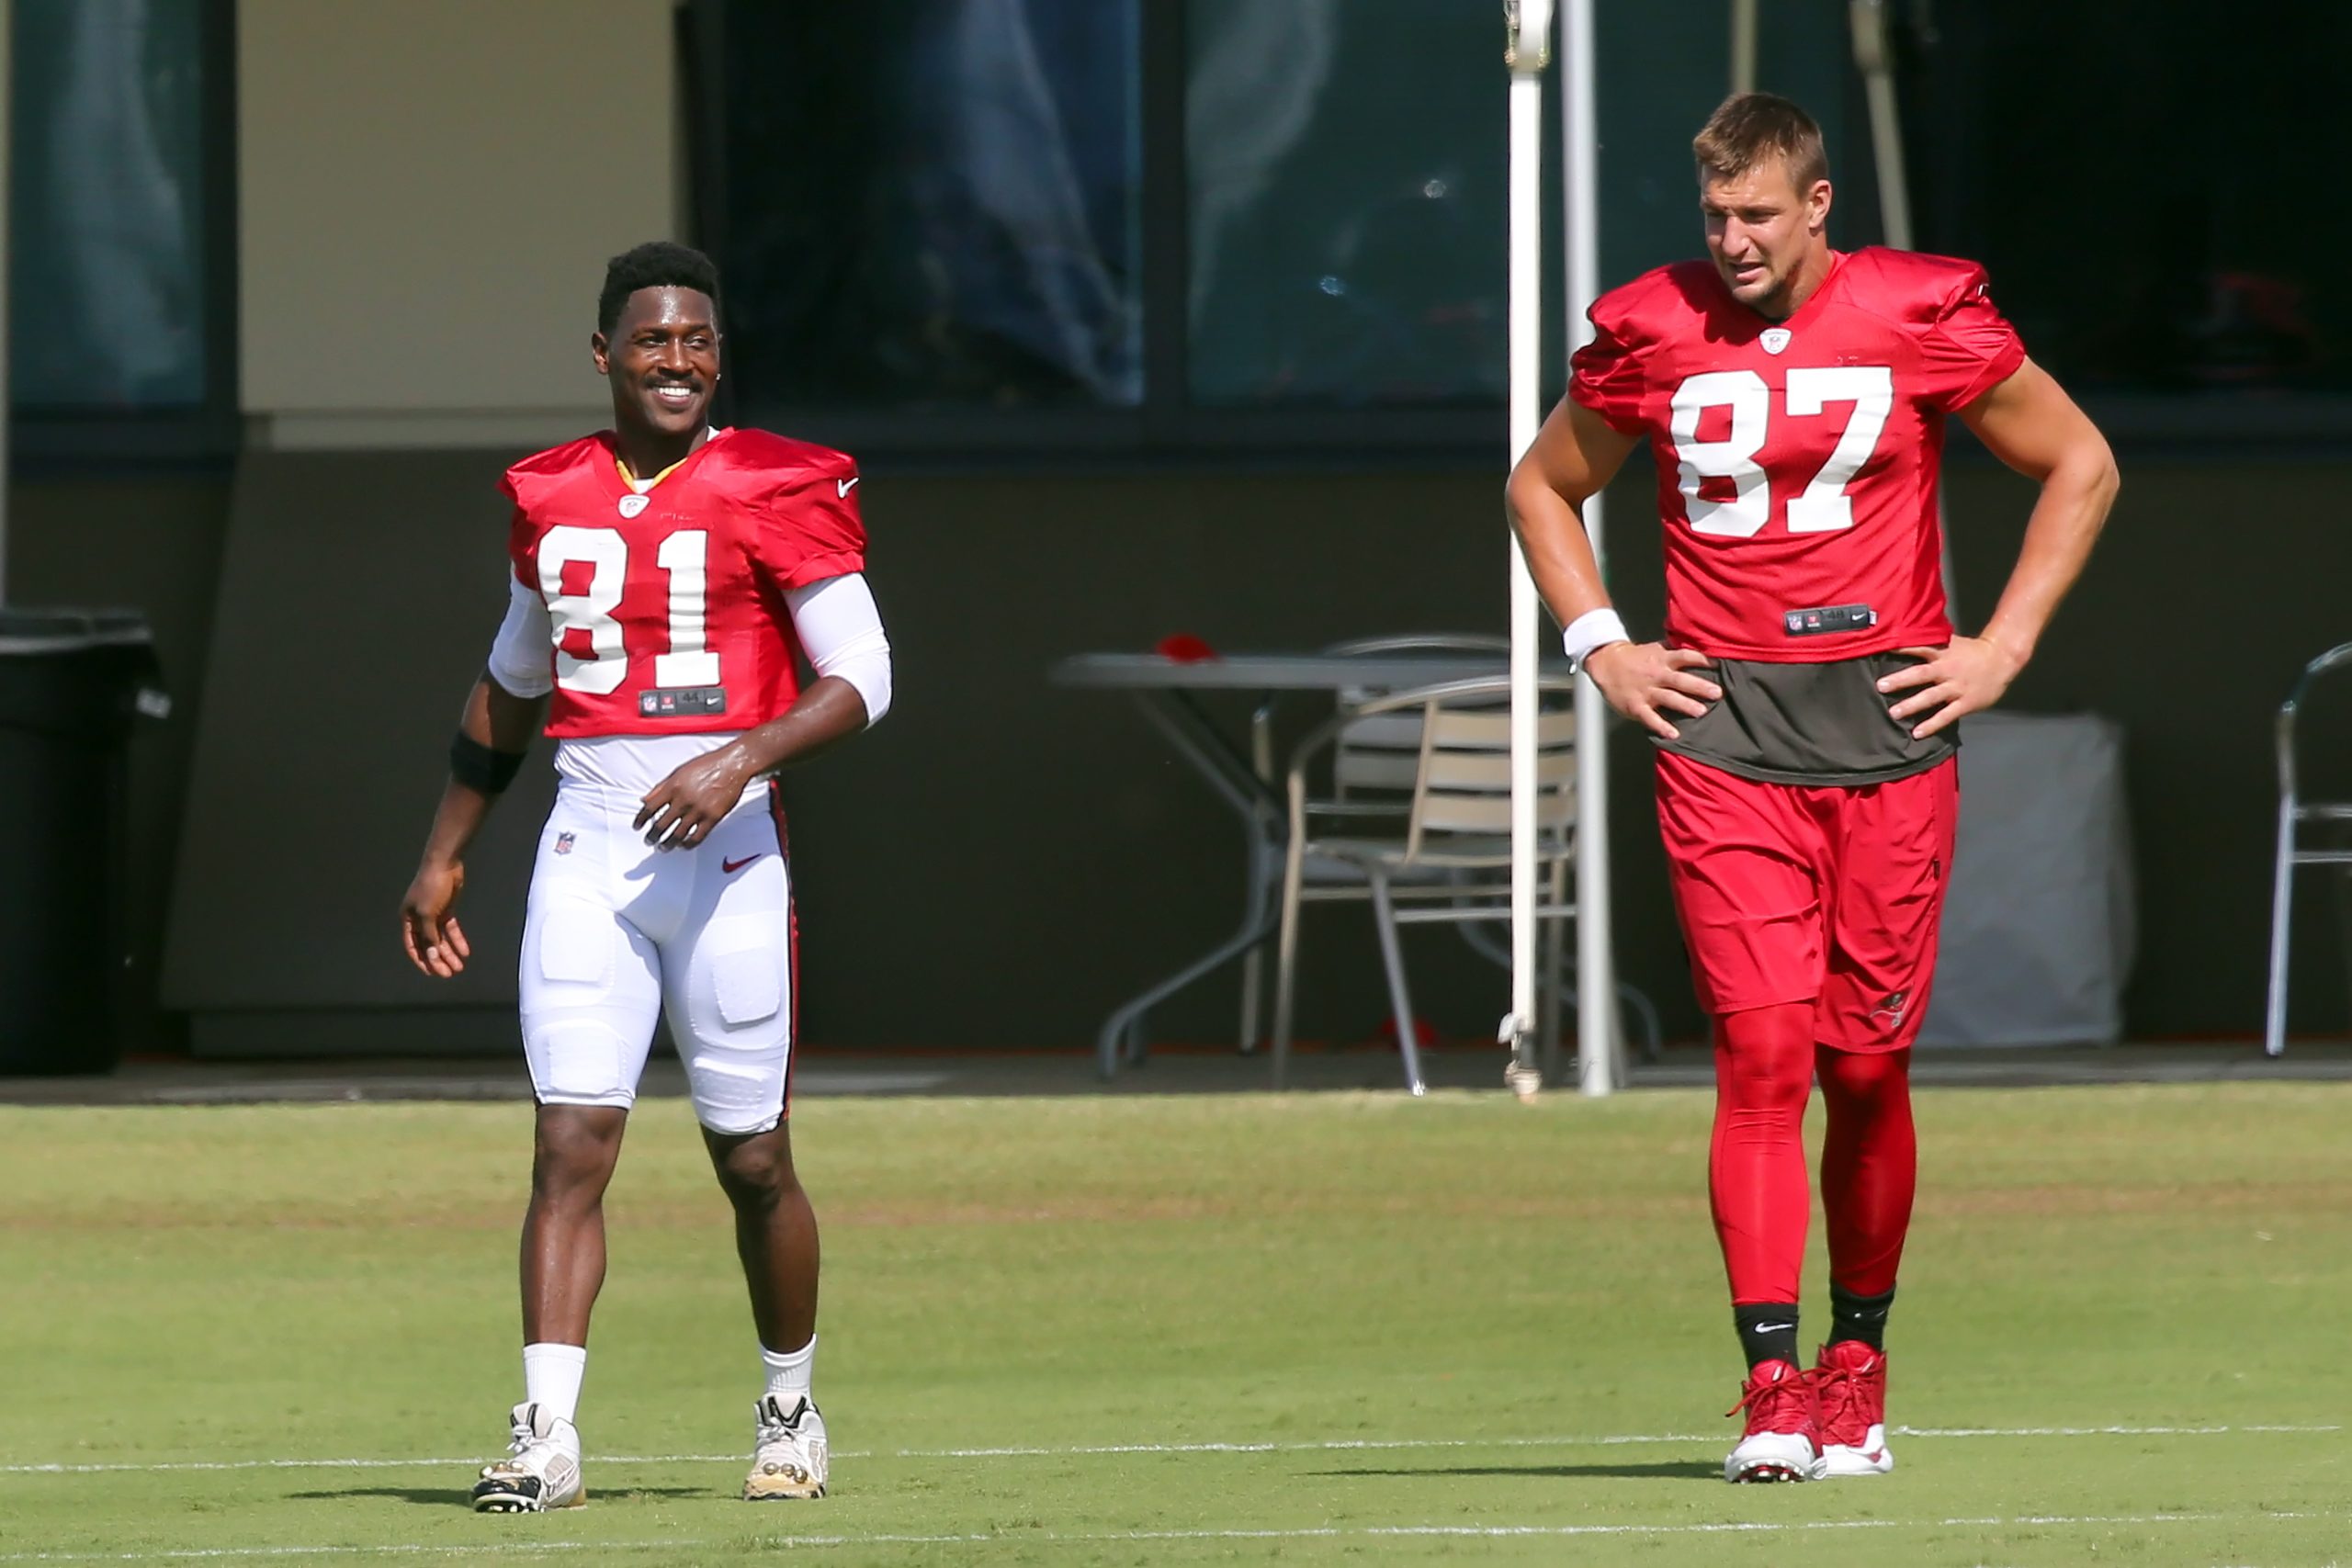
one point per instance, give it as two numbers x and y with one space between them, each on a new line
427 193
1002 860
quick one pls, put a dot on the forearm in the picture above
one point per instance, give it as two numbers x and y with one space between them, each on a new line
827 713
500 722
2075 498
1559 552
460 814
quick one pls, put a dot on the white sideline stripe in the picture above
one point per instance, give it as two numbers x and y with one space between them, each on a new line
1072 1537
1336 1444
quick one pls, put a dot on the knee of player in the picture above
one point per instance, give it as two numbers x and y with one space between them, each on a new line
576 1149
756 1172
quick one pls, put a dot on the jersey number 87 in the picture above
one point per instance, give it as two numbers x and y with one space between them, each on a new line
1824 506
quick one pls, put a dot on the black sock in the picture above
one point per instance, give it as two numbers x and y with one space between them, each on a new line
1858 1317
1767 1332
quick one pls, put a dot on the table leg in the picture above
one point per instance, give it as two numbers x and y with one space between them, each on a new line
1199 742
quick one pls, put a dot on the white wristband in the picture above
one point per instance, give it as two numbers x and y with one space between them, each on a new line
1593 630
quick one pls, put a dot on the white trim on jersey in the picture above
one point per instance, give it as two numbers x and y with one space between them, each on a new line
841 629
519 654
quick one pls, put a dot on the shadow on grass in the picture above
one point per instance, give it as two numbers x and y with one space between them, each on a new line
456 1497
1663 1469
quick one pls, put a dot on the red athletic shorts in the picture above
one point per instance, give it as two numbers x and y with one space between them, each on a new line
1820 894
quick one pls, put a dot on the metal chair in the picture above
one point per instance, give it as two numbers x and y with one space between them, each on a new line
1432 767
1332 880
2294 812
1336 875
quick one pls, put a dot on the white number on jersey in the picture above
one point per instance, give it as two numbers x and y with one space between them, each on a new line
683 554
1825 505
688 663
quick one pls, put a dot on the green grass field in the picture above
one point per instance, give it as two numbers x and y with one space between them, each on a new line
1159 1330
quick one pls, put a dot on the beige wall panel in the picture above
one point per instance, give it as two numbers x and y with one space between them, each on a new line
428 189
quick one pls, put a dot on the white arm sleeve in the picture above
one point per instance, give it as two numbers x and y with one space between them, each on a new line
519 658
841 631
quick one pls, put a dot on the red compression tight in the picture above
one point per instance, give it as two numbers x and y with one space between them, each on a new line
1870 1164
1765 1063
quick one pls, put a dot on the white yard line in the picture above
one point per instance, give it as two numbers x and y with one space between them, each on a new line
1070 1538
1334 1445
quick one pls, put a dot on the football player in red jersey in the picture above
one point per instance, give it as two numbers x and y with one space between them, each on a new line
1804 699
668 581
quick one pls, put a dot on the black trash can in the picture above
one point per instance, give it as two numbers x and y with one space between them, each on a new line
72 682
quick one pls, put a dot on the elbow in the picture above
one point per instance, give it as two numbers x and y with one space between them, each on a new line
2101 480
2086 468
866 672
1521 493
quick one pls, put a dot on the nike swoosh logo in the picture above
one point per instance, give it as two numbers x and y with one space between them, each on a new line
731 866
843 487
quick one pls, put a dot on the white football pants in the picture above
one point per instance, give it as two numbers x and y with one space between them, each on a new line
619 934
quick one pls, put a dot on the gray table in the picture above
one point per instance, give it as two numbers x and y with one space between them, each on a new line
1168 691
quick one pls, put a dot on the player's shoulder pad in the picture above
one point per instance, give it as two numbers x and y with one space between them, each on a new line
1920 286
1647 308
784 460
540 469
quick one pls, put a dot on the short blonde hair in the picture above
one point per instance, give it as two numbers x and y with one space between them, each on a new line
1751 128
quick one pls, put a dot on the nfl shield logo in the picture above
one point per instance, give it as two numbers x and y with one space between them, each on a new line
563 843
633 504
1774 339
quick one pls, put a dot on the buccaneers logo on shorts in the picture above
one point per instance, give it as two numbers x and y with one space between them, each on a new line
1890 1009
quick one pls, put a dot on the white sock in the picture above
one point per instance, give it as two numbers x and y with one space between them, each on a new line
788 1371
551 1375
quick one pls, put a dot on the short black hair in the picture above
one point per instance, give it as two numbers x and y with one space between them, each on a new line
657 263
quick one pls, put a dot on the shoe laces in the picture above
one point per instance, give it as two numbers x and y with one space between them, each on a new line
1782 1405
785 1430
1841 1392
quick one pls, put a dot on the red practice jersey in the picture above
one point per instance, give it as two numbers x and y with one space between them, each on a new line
1797 460
667 607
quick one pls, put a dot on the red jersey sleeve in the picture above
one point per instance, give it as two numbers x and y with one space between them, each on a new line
1606 374
1969 347
808 526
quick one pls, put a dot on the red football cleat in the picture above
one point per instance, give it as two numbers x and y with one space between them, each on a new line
1850 1388
1782 1440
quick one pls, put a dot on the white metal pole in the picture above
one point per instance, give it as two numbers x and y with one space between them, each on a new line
1530 52
1596 1045
1743 46
1875 56
1871 54
8 64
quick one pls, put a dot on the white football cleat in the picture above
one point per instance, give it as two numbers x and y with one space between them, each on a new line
1782 1442
541 1470
791 1459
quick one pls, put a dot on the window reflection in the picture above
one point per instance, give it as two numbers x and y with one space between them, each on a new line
941 208
105 206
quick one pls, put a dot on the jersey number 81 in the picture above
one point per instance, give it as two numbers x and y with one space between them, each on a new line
684 556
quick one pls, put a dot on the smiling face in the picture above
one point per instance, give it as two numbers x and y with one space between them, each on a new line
661 359
1768 239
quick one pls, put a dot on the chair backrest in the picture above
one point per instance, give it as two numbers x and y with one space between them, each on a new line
1463 785
2293 710
1376 759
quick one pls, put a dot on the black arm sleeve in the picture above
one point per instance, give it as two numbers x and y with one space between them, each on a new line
475 765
